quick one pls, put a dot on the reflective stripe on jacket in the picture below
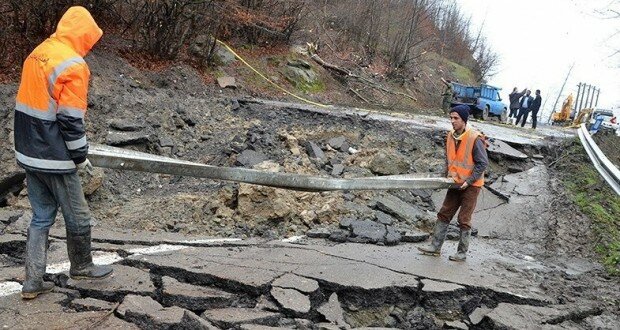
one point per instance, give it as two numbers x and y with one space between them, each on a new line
461 160
52 97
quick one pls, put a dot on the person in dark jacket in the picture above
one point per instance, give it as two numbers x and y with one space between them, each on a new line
514 102
524 107
50 144
534 108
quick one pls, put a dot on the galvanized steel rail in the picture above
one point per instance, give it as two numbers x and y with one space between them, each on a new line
606 168
122 159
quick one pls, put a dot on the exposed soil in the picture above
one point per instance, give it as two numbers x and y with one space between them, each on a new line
608 141
176 115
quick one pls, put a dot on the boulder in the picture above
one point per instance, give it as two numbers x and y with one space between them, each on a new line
225 82
337 142
249 158
127 138
389 164
314 151
126 125
368 231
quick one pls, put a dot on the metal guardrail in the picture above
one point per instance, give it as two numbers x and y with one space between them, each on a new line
606 168
122 159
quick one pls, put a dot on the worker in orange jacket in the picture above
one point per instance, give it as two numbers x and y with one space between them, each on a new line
50 144
466 162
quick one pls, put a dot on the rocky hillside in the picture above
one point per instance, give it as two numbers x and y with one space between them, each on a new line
173 113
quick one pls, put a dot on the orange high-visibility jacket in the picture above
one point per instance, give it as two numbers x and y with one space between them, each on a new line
461 160
52 97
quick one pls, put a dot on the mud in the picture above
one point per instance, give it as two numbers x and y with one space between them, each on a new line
197 253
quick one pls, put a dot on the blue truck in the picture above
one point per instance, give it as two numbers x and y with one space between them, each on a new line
483 100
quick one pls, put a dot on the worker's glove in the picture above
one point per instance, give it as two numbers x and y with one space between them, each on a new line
85 166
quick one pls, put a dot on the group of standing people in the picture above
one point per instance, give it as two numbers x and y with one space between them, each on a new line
522 104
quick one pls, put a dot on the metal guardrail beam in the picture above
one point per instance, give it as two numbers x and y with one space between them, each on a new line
605 167
122 159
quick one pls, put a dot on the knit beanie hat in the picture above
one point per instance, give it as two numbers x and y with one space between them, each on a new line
462 110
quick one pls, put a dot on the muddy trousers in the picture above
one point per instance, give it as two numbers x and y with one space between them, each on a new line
47 192
465 200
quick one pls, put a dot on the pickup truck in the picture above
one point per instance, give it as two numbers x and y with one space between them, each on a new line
483 100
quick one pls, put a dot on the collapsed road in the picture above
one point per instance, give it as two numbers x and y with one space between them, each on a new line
203 254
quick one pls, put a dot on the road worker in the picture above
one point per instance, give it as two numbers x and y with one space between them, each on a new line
466 162
50 144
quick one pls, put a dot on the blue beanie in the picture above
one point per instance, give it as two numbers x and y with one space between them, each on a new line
462 110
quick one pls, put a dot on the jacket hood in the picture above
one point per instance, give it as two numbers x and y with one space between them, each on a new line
78 29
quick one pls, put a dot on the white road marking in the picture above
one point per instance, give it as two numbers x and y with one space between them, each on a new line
9 288
293 239
108 258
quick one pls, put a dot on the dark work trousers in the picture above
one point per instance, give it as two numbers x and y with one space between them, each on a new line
455 199
522 113
534 118
513 113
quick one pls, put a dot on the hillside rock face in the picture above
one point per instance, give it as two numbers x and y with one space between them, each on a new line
170 113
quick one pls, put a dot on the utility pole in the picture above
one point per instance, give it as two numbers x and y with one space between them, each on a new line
576 99
560 93
597 94
592 98
588 95
583 95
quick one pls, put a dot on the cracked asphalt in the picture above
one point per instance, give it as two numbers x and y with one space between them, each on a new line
190 254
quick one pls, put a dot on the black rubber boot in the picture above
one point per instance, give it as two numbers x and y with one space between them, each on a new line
82 267
36 259
461 253
439 235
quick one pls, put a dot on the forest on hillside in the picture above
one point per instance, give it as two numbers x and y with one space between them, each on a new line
396 34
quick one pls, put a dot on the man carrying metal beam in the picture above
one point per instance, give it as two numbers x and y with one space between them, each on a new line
466 162
50 144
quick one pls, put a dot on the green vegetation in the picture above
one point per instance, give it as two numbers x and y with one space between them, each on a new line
589 191
462 73
456 71
311 87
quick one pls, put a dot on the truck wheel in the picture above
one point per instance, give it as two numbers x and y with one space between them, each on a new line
485 113
504 116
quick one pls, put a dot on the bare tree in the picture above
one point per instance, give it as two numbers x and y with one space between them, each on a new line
486 60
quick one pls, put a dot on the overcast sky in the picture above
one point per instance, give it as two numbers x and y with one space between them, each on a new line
538 40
